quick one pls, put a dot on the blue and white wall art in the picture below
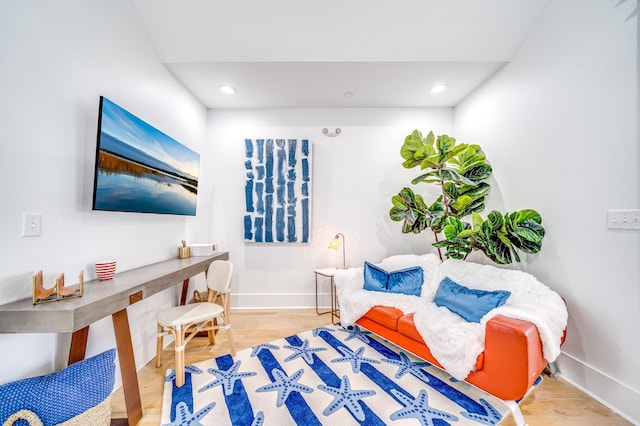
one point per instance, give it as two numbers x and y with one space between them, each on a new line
277 190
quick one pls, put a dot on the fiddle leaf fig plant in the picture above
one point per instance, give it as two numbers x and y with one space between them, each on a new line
461 171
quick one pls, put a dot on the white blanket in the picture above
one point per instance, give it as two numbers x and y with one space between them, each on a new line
453 341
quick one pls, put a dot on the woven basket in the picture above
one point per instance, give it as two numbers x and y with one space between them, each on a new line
100 415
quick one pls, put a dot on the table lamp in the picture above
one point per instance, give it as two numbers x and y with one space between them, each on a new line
334 244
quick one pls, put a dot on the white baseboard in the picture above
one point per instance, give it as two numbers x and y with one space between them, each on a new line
598 385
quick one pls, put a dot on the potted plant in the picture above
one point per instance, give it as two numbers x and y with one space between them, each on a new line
461 172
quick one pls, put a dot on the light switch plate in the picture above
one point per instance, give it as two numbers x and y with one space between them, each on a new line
623 219
31 224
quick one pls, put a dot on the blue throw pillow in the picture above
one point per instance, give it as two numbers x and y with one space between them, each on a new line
470 304
375 278
57 397
405 281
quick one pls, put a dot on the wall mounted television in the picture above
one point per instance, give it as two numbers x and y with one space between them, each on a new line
140 169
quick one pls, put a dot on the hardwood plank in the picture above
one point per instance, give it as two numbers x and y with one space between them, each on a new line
553 403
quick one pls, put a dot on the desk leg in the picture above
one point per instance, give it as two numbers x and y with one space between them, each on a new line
183 296
127 367
78 348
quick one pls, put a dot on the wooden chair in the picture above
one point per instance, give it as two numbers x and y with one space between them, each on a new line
185 321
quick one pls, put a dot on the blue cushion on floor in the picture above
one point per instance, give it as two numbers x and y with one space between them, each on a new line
57 397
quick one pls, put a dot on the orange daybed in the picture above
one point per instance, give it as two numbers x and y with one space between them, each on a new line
512 359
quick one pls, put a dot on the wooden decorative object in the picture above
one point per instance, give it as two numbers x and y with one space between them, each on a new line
72 291
41 294
58 291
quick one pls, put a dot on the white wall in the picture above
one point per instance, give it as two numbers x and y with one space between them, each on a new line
560 126
56 59
354 176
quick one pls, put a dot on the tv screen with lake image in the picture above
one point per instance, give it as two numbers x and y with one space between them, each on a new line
141 169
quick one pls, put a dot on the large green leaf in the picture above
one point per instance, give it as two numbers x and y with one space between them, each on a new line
478 173
461 202
477 190
444 143
477 221
450 155
428 163
528 234
466 233
408 153
449 174
450 190
437 213
498 251
470 159
432 176
494 220
526 214
454 227
476 205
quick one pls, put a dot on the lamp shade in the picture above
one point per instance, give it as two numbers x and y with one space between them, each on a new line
334 244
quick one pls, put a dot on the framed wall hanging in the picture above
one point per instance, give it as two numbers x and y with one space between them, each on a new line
277 190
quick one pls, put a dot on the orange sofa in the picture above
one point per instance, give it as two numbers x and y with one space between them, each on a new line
511 362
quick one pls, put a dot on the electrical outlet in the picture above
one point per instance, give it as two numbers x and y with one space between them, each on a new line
623 219
31 224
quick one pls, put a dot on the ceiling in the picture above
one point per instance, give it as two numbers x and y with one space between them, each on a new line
310 53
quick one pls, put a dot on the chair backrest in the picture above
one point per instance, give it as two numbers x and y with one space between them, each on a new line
219 276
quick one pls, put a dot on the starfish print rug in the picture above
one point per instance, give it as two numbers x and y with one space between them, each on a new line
327 376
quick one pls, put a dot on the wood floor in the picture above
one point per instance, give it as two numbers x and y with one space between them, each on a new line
554 402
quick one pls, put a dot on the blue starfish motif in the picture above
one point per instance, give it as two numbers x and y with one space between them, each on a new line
344 396
492 417
258 420
190 368
303 351
316 331
418 408
226 378
285 385
405 365
355 358
355 332
184 416
256 349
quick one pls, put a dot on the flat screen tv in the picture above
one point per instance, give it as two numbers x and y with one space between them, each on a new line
139 168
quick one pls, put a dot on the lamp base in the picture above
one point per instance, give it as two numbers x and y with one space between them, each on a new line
342 267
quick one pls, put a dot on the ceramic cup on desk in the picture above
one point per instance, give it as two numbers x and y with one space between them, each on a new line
105 269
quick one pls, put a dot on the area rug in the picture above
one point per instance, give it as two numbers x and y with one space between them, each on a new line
327 376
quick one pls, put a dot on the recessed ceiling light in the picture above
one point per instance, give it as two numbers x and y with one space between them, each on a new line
226 89
439 88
